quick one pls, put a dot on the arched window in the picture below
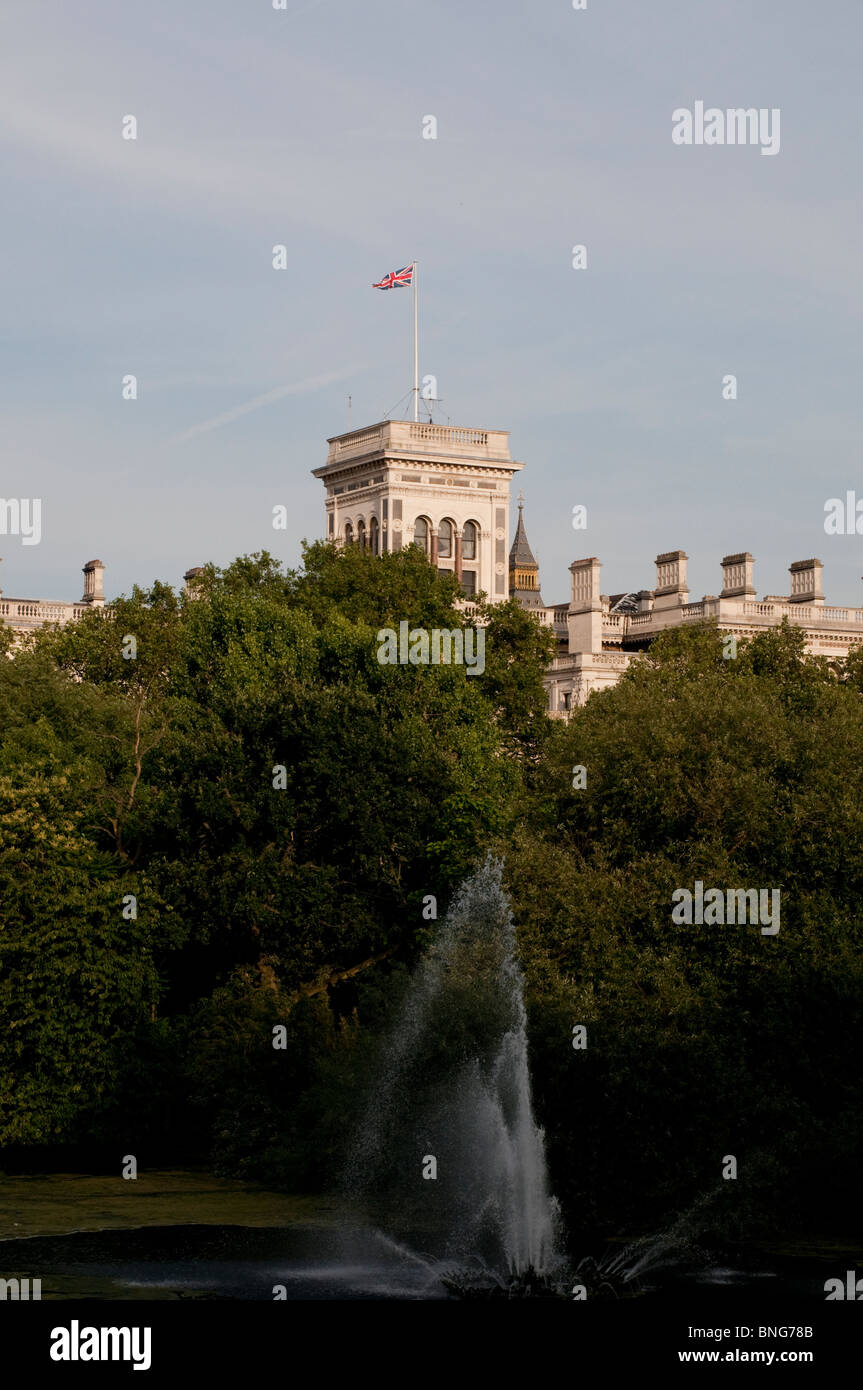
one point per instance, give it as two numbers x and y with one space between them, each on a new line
421 533
349 533
468 541
444 541
361 534
373 535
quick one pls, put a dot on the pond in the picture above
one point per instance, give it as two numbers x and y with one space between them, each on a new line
301 1262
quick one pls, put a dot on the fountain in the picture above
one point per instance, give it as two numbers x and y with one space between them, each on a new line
447 1192
449 1157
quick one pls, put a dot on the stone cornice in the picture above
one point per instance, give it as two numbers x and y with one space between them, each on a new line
353 468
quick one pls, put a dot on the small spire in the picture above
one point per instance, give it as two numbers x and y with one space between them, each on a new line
523 568
520 552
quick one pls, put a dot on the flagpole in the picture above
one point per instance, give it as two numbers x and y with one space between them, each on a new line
416 354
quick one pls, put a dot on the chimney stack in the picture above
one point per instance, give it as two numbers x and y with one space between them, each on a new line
93 592
671 588
738 573
190 578
806 581
584 617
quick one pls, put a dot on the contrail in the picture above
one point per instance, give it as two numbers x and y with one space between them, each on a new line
296 388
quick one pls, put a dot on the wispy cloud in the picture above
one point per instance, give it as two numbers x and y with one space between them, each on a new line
296 388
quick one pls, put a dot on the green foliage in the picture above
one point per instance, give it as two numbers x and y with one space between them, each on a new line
702 1040
76 979
300 905
518 652
161 764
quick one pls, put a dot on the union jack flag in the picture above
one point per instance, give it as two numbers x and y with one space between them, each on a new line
396 279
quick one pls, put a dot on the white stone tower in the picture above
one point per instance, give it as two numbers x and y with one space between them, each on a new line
445 488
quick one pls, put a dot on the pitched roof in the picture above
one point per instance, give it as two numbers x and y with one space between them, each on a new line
623 603
520 552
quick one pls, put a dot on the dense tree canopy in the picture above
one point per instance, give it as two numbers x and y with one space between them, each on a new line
278 801
221 815
702 1040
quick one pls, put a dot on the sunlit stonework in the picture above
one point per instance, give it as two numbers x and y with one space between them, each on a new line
444 488
447 489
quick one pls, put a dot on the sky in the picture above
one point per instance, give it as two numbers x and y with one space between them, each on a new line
303 127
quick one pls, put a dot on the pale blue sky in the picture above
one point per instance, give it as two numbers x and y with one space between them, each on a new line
303 127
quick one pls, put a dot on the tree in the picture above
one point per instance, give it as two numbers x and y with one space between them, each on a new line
701 1040
77 978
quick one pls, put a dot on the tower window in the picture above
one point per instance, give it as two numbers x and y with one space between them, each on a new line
421 533
444 541
468 541
373 535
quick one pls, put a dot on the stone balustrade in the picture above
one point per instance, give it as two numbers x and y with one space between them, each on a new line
403 438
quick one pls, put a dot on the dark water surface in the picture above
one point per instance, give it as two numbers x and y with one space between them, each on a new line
236 1262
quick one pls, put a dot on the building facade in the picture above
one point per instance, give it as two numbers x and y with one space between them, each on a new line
600 635
444 488
447 490
24 615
